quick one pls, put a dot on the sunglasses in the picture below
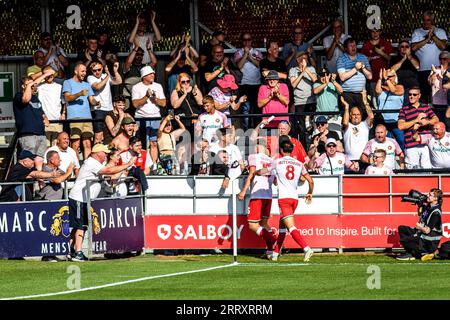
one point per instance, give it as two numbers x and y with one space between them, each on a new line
285 122
185 81
413 94
96 70
320 124
331 146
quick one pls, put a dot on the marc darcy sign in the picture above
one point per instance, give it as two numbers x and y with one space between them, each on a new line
6 96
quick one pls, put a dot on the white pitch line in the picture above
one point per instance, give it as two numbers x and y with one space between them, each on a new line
114 284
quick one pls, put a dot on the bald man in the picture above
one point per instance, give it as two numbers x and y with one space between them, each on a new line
66 153
391 146
438 143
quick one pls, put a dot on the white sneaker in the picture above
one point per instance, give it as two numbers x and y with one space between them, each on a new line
308 255
273 256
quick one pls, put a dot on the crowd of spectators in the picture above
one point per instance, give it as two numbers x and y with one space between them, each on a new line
365 111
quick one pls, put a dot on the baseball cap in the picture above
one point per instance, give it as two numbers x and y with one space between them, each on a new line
99 147
330 141
26 154
272 75
321 119
146 71
127 120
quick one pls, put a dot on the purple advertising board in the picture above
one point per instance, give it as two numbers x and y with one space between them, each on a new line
34 229
30 229
121 225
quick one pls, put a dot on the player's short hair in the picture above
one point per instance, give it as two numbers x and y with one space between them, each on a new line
286 146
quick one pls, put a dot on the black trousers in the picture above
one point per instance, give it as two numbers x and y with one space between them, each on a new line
414 244
425 89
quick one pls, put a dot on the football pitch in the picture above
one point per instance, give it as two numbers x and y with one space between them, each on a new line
216 277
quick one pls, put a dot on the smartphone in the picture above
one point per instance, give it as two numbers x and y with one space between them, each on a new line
171 113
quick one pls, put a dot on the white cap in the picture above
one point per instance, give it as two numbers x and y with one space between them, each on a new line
146 71
330 140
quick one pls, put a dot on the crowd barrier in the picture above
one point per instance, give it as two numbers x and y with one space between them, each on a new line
195 213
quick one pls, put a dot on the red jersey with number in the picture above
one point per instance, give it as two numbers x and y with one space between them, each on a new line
288 172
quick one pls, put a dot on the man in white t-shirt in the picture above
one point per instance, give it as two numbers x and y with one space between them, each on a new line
92 168
67 154
332 162
50 96
288 172
260 195
145 39
333 45
356 131
427 42
439 145
101 84
391 146
209 121
148 97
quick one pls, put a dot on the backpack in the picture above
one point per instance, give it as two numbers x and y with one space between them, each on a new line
444 250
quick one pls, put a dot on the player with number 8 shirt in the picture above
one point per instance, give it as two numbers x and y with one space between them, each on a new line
288 172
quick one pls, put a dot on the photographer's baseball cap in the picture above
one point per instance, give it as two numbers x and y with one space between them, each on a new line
330 141
146 71
26 154
99 147
321 119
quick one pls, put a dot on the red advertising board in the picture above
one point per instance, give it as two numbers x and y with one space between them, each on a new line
320 231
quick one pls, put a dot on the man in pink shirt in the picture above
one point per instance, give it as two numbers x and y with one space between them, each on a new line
273 97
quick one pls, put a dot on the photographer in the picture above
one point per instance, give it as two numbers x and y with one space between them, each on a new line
422 240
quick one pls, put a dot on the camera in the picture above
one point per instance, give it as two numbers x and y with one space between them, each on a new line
415 197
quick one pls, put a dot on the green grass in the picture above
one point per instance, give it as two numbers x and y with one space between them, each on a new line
327 276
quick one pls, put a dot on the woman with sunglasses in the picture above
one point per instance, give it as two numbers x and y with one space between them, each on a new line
183 62
187 101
